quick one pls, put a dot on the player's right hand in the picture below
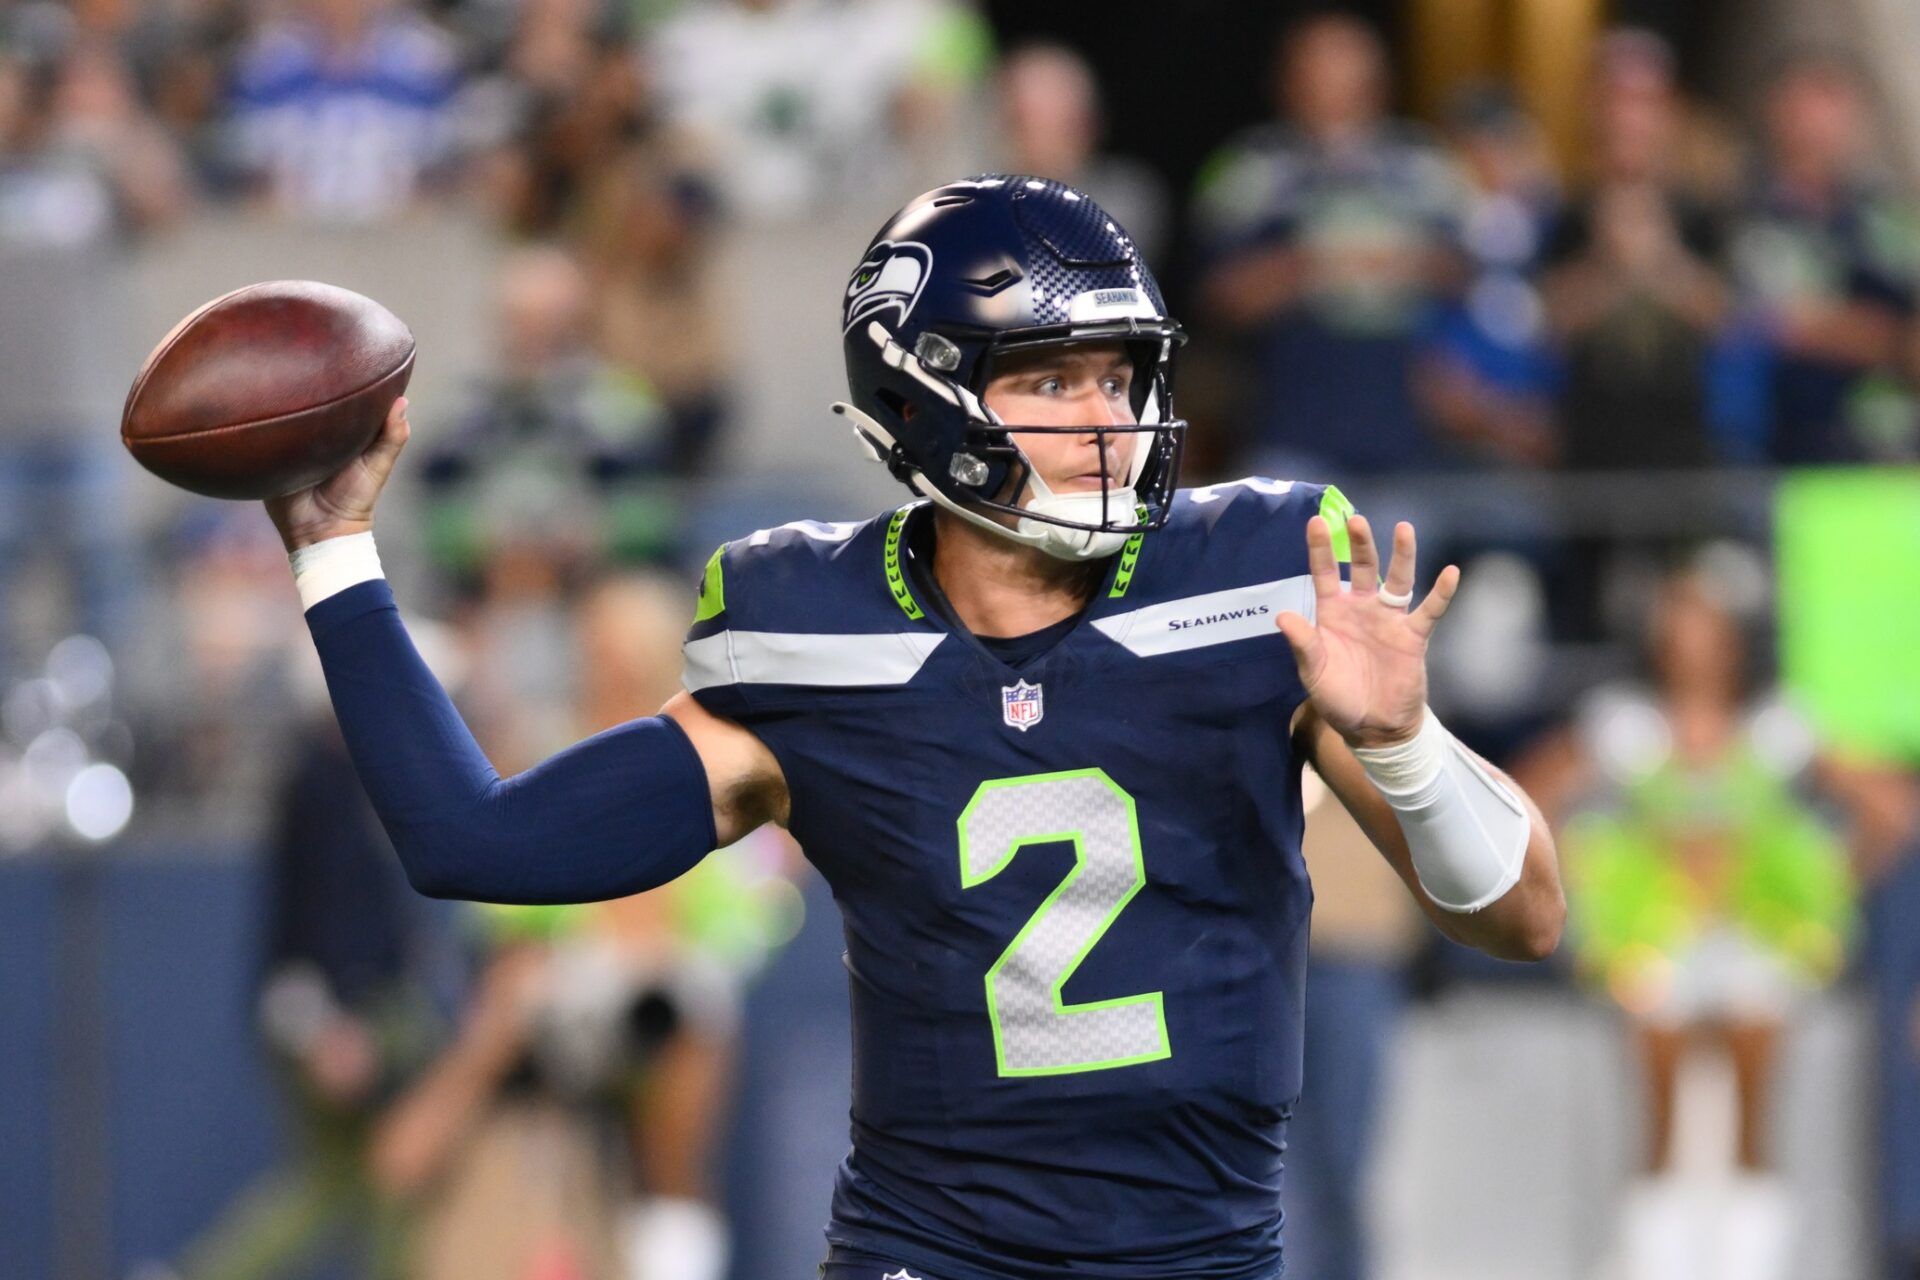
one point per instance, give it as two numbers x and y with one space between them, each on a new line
343 502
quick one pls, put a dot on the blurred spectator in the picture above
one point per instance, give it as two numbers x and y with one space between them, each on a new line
80 119
1709 896
1331 237
179 51
1051 126
801 101
83 171
358 974
1634 291
1365 931
504 1179
1826 255
569 95
568 1130
342 110
211 681
1486 373
1883 801
555 454
646 235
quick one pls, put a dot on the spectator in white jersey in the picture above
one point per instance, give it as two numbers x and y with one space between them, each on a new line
800 100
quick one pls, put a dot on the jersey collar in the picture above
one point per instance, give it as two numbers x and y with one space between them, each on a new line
910 580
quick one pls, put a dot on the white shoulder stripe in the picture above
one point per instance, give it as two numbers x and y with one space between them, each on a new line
779 657
1258 484
1194 622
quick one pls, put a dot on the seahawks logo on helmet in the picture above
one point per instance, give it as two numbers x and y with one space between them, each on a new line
890 277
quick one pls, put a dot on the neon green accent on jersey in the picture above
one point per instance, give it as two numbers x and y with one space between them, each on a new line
897 580
1847 551
1334 509
1129 557
1066 1022
713 590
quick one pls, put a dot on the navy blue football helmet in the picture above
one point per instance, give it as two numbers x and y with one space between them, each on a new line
967 273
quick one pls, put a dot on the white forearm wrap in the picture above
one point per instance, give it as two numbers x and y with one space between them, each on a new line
1467 830
328 568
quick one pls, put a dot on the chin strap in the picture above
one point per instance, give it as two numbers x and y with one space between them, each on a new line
1086 508
1056 540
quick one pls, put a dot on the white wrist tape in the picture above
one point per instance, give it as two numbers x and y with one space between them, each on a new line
328 568
1466 828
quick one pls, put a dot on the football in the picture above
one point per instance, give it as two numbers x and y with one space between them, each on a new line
266 390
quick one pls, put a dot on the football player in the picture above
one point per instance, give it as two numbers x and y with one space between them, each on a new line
1041 729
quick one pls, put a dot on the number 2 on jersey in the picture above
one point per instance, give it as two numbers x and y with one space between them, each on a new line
1035 1032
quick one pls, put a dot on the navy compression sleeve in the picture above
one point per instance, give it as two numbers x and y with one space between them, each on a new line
622 811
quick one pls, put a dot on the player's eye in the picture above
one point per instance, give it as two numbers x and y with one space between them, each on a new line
1114 385
1049 386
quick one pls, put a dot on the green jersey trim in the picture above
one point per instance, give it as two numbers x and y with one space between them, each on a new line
713 591
896 579
1335 509
1129 558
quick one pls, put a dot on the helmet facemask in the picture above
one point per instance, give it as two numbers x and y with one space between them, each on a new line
1085 523
987 473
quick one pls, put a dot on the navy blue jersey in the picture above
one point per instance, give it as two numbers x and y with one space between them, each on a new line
1074 902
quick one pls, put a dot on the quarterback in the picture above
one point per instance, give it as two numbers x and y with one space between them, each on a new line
1041 728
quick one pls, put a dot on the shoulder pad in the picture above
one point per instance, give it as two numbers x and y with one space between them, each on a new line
1256 508
786 612
808 576
1236 534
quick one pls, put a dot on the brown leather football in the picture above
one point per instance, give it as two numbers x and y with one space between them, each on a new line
267 389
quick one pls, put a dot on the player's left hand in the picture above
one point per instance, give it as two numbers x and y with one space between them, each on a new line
1364 660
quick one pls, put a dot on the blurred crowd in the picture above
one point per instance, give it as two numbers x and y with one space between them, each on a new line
1451 319
1402 297
1419 299
1373 298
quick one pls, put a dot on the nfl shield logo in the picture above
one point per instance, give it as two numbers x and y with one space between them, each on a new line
1021 705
